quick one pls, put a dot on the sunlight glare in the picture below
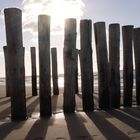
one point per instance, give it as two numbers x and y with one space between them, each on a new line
59 10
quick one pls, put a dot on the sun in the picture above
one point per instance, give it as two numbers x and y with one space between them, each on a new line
59 10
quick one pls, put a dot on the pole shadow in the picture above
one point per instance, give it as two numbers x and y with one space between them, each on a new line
76 127
7 111
125 118
5 102
106 128
39 129
132 111
31 107
8 127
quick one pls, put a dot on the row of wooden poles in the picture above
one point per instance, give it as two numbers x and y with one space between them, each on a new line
108 70
34 73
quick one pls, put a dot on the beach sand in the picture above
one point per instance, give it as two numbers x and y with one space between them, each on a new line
122 124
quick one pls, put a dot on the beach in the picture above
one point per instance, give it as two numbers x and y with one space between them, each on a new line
123 123
89 50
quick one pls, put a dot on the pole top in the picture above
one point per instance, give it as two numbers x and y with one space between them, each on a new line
99 23
127 26
137 30
11 10
44 17
114 24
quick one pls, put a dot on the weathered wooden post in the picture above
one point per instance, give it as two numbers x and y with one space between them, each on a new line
69 65
76 74
33 67
86 64
44 65
102 64
127 34
114 64
6 72
15 65
137 62
54 71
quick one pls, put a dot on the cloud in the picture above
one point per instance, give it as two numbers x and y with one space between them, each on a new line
30 26
57 9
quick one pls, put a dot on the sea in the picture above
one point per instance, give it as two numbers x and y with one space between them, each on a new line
61 80
61 84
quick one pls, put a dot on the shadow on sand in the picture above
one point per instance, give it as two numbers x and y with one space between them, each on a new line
106 128
127 119
5 101
76 127
6 111
8 127
39 130
75 123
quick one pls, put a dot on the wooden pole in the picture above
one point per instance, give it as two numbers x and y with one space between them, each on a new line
44 65
33 67
114 64
15 59
137 62
102 63
86 64
76 74
54 71
69 65
6 72
127 34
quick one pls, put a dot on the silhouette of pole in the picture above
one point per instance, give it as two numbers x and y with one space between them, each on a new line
114 64
127 34
15 65
76 74
69 65
33 67
54 71
137 62
86 64
102 64
6 71
44 65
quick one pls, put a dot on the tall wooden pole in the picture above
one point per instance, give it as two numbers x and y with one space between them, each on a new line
6 71
127 34
114 64
54 71
69 65
15 59
137 62
76 74
33 67
102 63
86 64
44 65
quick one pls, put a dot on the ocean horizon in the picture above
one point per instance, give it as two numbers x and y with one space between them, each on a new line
61 80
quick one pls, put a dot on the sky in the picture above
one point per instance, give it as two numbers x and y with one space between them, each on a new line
125 12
